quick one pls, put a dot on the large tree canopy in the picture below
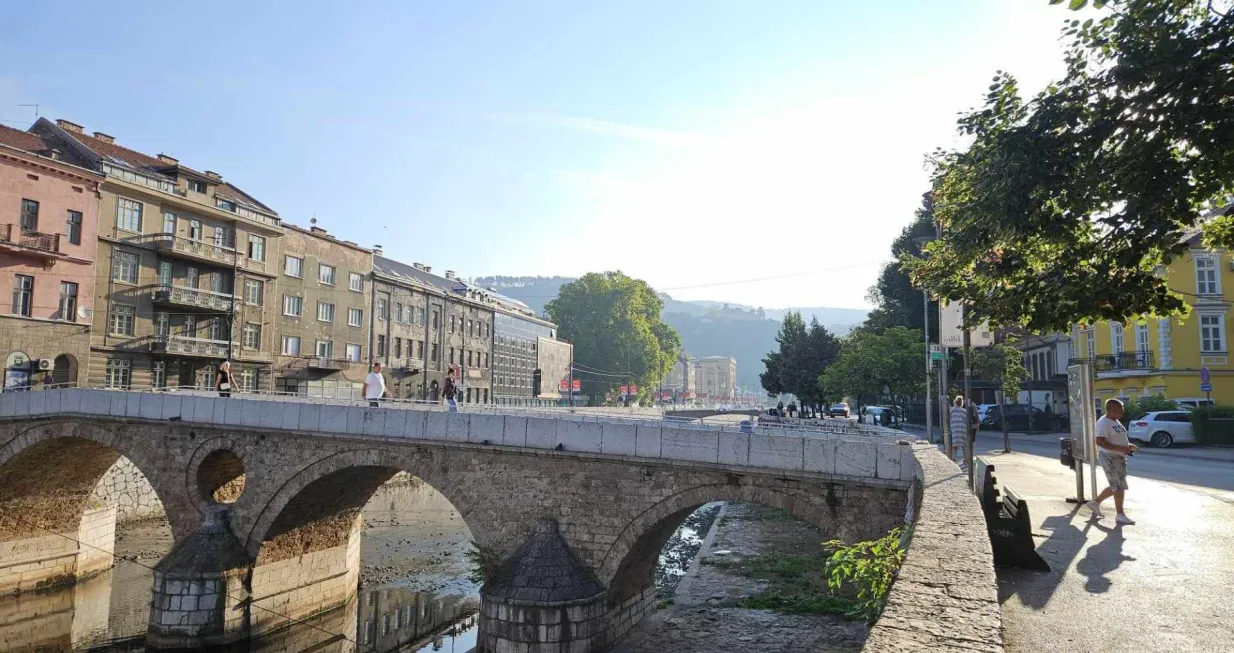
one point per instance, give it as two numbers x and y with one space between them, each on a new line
614 323
802 357
897 301
1064 206
873 364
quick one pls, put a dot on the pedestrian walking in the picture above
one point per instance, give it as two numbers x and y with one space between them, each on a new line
958 418
223 380
1113 449
450 391
375 386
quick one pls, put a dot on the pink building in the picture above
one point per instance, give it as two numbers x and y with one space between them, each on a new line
49 207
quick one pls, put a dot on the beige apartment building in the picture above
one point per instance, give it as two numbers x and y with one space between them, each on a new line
680 382
324 292
184 269
715 377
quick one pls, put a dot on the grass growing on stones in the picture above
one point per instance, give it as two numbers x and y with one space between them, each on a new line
796 583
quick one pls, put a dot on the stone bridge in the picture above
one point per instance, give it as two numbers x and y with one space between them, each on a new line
264 496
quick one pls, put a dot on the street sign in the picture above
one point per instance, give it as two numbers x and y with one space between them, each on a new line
950 333
1206 387
936 352
1205 376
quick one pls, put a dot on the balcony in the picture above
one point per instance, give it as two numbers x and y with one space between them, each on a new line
185 346
198 250
19 240
1125 363
205 300
327 363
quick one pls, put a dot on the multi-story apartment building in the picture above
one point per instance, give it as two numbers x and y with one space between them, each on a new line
1046 358
321 331
425 326
1164 356
185 269
48 237
715 377
529 362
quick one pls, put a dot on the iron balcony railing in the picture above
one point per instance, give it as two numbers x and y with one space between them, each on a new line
32 240
199 249
186 346
1125 361
193 297
328 363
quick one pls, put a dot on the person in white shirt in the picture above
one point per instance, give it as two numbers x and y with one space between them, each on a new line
1113 447
375 386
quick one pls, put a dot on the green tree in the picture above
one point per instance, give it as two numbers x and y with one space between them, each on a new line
618 336
1065 205
872 364
803 355
1005 365
897 302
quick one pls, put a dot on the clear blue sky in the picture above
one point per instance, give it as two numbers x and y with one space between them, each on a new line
686 143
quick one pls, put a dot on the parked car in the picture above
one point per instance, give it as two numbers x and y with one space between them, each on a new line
883 415
1191 403
1021 417
1163 428
982 409
838 410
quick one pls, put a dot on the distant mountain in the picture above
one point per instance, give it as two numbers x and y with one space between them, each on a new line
707 328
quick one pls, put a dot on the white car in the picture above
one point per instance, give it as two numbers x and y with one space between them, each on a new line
1191 403
1163 428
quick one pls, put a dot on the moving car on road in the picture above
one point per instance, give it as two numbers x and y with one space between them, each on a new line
838 410
1163 428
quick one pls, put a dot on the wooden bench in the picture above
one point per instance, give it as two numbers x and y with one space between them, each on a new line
1007 521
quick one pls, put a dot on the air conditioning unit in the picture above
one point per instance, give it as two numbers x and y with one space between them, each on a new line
45 364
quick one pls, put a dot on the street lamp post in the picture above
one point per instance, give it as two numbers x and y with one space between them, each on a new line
929 362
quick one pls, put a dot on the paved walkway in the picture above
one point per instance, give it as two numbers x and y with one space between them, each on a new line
1164 584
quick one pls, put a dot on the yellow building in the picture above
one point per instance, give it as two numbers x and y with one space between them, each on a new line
1164 356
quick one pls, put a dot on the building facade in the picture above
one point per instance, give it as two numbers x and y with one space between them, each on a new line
324 291
48 239
1164 356
679 384
715 378
518 379
185 265
1046 358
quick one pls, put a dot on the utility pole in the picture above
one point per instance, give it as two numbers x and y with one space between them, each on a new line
925 299
968 394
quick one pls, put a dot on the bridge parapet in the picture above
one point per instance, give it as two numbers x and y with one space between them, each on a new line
871 456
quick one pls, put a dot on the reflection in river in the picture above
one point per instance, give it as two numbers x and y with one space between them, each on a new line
414 595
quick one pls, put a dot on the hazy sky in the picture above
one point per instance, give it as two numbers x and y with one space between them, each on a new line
687 143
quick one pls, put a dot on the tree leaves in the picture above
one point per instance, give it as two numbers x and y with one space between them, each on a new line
890 363
802 357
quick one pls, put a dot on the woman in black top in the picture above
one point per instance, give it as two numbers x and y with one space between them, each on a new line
223 381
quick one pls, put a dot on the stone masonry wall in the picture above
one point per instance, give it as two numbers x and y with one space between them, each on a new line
629 613
306 585
126 488
945 598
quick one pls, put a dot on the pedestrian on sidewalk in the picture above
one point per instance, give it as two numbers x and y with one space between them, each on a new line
958 418
375 386
450 391
1113 448
223 380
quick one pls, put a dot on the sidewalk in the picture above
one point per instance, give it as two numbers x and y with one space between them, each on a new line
1161 585
1177 451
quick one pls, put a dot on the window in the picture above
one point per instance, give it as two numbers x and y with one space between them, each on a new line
353 353
287 386
293 306
248 379
325 274
216 329
1212 333
293 266
355 281
354 317
220 236
291 345
325 312
1116 338
124 267
122 318
191 277
68 301
165 273
195 230
158 374
381 345
398 347
23 295
382 310
252 335
436 319
128 215
325 348
398 313
216 282
434 351
73 227
469 353
1090 335
190 326
169 223
162 325
452 355
257 248
451 325
471 328
197 186
226 205
420 349
1207 281
254 291
1141 342
420 316
119 374
29 215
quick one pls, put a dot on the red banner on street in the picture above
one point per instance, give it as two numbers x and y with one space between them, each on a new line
633 389
625 389
564 385
578 385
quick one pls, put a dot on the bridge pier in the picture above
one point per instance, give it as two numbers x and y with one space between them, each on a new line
58 556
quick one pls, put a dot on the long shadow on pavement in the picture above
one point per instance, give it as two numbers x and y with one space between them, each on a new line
1059 550
1103 558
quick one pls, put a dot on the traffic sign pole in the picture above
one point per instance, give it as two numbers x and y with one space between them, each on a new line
1206 384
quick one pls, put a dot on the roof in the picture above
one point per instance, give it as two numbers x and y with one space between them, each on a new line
544 570
23 140
398 270
325 235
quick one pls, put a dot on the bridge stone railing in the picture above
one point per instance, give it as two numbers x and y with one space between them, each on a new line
878 458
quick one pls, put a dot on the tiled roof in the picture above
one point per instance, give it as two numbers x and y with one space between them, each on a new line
393 268
23 140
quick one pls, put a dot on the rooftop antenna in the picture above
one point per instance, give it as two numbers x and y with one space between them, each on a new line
313 220
36 108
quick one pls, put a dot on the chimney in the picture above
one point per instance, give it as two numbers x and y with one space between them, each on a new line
418 266
427 268
317 230
52 154
450 274
104 137
70 126
168 160
214 175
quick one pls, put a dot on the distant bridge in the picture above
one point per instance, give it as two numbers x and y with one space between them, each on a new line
700 413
